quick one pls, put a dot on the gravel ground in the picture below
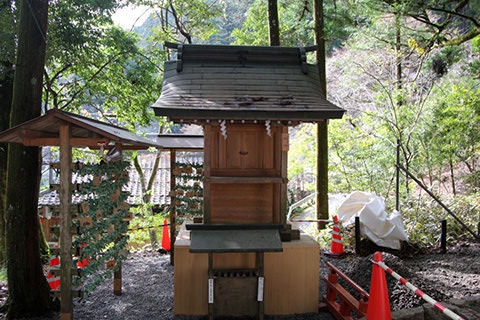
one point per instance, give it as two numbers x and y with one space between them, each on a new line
148 284
147 294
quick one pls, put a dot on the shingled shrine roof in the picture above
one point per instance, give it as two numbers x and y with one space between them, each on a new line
244 83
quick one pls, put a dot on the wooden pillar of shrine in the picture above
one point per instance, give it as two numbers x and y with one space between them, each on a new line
66 304
173 155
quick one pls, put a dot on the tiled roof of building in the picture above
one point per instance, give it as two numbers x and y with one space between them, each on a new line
161 185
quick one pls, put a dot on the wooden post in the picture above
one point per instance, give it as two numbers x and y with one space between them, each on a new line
283 173
443 238
357 235
210 279
207 158
65 224
478 225
261 274
117 279
117 274
173 156
397 179
322 127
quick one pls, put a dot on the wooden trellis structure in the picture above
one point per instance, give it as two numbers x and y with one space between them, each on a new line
67 130
177 143
245 98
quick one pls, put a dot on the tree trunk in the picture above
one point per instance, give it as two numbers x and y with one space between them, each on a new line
42 241
273 25
399 97
6 89
27 287
322 129
452 176
147 187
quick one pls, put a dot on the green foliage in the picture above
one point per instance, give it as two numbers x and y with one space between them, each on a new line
476 44
3 274
296 23
231 17
453 134
141 224
104 238
188 193
113 76
181 21
422 216
302 156
255 28
434 22
359 158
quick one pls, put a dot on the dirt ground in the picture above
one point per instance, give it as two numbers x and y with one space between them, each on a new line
455 274
148 284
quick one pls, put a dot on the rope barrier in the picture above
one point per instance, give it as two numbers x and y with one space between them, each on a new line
418 292
149 227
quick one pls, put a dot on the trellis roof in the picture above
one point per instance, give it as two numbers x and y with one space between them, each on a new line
85 132
178 141
242 82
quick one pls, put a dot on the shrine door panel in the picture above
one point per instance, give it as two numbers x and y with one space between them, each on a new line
241 203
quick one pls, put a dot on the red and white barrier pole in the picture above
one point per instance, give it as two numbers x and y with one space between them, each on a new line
419 292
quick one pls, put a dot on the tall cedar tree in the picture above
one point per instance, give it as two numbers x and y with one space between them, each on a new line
322 130
6 89
29 293
273 24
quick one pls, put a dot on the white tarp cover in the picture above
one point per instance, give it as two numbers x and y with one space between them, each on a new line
384 229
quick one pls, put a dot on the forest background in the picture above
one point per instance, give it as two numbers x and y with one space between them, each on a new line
405 70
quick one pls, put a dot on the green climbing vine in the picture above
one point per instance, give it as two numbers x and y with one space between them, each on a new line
102 221
188 193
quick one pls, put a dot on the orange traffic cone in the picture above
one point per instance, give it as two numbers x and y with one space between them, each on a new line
378 303
165 236
336 250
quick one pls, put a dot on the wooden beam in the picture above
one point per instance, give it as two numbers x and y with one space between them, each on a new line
74 142
123 147
34 134
248 180
65 223
76 293
92 143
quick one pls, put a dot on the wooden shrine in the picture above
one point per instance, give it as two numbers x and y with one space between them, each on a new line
234 264
67 130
